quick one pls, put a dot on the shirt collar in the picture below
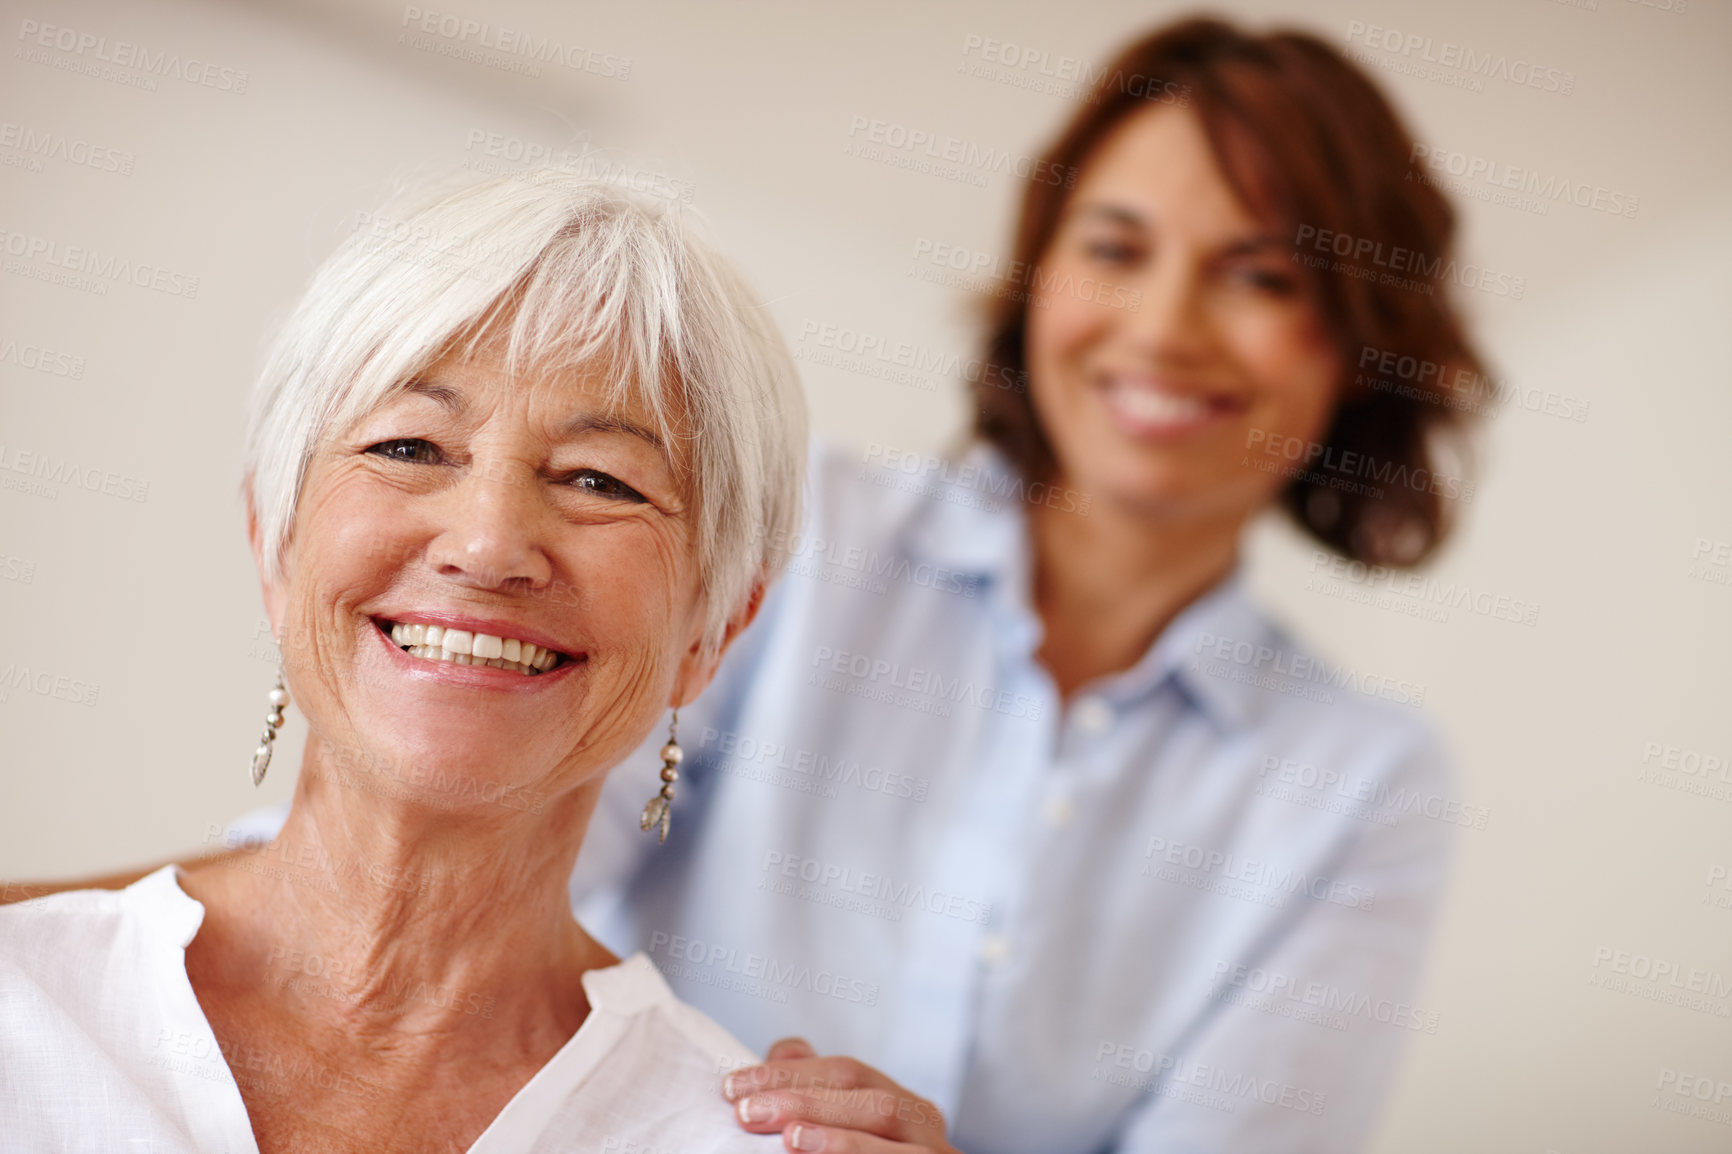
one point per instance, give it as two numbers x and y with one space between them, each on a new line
632 986
972 520
628 988
1225 613
973 525
168 909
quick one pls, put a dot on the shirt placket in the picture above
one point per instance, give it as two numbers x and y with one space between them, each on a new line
979 857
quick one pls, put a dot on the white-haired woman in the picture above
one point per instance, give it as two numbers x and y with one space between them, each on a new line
514 473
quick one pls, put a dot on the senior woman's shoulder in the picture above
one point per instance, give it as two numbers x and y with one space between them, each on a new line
66 940
85 918
92 981
38 937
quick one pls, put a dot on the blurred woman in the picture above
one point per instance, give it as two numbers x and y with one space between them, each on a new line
1116 861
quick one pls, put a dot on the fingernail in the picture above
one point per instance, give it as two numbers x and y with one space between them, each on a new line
806 1138
756 1110
741 1081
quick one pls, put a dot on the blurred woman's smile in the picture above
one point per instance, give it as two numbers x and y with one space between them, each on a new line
1150 407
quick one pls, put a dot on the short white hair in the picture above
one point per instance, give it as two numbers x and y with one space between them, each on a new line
568 270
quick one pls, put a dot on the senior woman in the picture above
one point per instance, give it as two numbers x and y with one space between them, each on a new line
515 473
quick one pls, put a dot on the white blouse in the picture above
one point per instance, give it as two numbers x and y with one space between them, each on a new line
104 1047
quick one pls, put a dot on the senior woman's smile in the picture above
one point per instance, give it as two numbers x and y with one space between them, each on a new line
465 641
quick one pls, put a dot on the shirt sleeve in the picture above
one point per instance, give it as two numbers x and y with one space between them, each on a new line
1299 1043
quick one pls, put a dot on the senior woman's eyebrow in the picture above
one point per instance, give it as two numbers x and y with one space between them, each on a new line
444 394
447 397
603 423
454 400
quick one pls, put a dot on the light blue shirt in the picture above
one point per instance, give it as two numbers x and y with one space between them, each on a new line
1186 913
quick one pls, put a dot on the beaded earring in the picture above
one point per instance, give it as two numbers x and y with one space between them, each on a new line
279 699
659 811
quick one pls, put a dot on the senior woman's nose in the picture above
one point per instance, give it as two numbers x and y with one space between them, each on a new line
491 528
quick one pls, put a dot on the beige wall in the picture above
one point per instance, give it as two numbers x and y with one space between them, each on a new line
140 599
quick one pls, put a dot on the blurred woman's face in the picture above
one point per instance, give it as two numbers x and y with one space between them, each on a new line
1151 407
492 589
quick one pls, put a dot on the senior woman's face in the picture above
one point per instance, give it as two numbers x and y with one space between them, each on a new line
506 515
1153 406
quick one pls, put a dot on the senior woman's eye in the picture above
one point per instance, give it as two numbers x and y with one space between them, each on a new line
411 449
603 485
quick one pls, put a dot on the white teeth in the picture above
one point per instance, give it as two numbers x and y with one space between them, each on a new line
1150 406
1143 402
461 647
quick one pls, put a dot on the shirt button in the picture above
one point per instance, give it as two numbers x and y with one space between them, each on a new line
1091 715
994 948
1059 810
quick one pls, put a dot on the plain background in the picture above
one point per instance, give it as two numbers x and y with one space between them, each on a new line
1598 522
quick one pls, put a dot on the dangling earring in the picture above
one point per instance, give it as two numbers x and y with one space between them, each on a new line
660 807
279 699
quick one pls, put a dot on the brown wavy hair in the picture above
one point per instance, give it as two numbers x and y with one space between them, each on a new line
1307 142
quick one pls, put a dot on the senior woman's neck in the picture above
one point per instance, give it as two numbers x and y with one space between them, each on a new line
393 913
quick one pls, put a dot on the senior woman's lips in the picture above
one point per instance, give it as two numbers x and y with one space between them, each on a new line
471 643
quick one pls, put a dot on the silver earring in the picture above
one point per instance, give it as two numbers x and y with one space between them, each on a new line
279 699
660 807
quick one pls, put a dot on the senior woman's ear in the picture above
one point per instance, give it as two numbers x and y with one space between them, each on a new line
274 595
699 666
